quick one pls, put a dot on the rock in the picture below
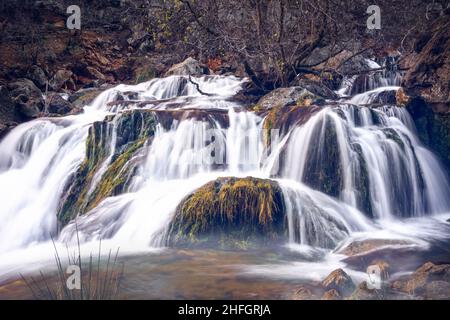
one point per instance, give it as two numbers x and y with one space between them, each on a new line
364 246
229 209
37 75
356 65
362 292
402 99
437 290
316 88
427 82
302 293
282 97
340 281
331 295
58 105
190 66
8 114
60 78
428 75
134 128
84 97
27 98
427 273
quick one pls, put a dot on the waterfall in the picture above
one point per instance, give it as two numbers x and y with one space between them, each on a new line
369 158
346 165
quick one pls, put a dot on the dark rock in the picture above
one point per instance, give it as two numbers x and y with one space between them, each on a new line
429 71
27 98
37 75
427 82
61 78
340 281
8 112
317 88
227 210
433 128
56 104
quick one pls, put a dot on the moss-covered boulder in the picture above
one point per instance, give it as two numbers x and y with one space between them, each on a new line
230 211
90 184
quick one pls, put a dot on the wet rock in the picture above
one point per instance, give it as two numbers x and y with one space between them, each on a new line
37 75
317 88
437 290
229 209
190 66
133 129
84 97
426 274
340 281
402 99
364 246
282 97
61 78
302 293
27 98
362 292
427 82
355 65
56 104
332 295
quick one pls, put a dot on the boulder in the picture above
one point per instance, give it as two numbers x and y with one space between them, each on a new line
427 82
362 292
60 78
331 295
56 104
37 75
8 114
190 66
229 209
27 98
133 129
428 75
358 247
302 293
340 281
427 273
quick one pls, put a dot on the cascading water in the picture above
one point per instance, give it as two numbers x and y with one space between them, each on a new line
345 165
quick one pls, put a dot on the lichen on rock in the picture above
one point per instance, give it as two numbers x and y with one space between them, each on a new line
229 209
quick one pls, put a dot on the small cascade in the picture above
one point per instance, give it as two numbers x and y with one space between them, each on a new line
385 74
368 158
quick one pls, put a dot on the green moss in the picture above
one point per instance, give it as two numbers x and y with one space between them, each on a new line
114 180
229 209
134 128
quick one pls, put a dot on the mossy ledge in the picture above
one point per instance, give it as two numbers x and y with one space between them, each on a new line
230 211
134 128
